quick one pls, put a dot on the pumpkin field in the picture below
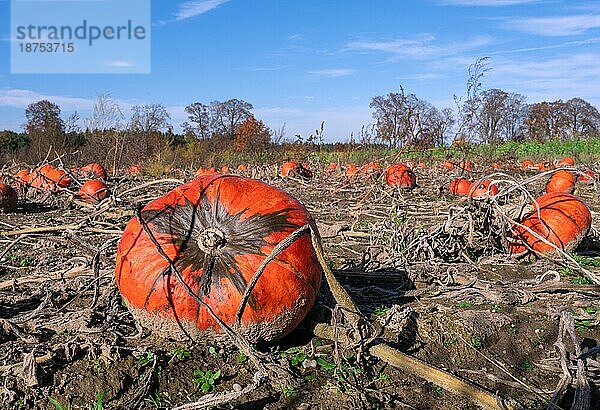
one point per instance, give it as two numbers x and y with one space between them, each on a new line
395 283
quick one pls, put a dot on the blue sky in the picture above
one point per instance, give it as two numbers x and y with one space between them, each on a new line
303 62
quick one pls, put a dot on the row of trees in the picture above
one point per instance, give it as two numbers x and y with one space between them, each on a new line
483 115
109 134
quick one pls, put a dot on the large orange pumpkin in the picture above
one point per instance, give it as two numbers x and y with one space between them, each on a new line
93 191
561 181
484 189
8 198
563 220
400 175
460 186
93 170
218 230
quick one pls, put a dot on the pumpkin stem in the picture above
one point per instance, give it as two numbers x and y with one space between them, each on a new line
210 240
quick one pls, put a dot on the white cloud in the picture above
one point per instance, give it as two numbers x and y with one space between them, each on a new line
555 26
333 72
418 48
564 77
487 3
194 8
17 98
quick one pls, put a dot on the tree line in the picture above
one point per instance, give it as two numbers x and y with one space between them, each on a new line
482 116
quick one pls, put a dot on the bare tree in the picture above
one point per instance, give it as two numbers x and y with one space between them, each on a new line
400 117
106 115
516 111
227 116
106 125
500 116
150 118
199 123
547 120
583 118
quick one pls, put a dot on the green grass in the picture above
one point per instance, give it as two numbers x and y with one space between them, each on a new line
477 342
206 380
181 353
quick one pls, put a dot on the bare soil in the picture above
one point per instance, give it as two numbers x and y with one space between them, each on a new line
68 341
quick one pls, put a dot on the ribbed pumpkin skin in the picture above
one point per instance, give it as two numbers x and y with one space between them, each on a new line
253 217
561 181
8 198
49 178
460 186
93 170
563 220
400 175
93 191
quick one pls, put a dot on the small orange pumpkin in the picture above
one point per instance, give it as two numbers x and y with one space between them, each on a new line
561 219
527 165
332 167
460 186
295 169
49 178
8 198
587 176
225 170
561 181
372 168
400 175
484 189
466 165
93 191
351 170
448 165
134 169
93 170
242 168
566 162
